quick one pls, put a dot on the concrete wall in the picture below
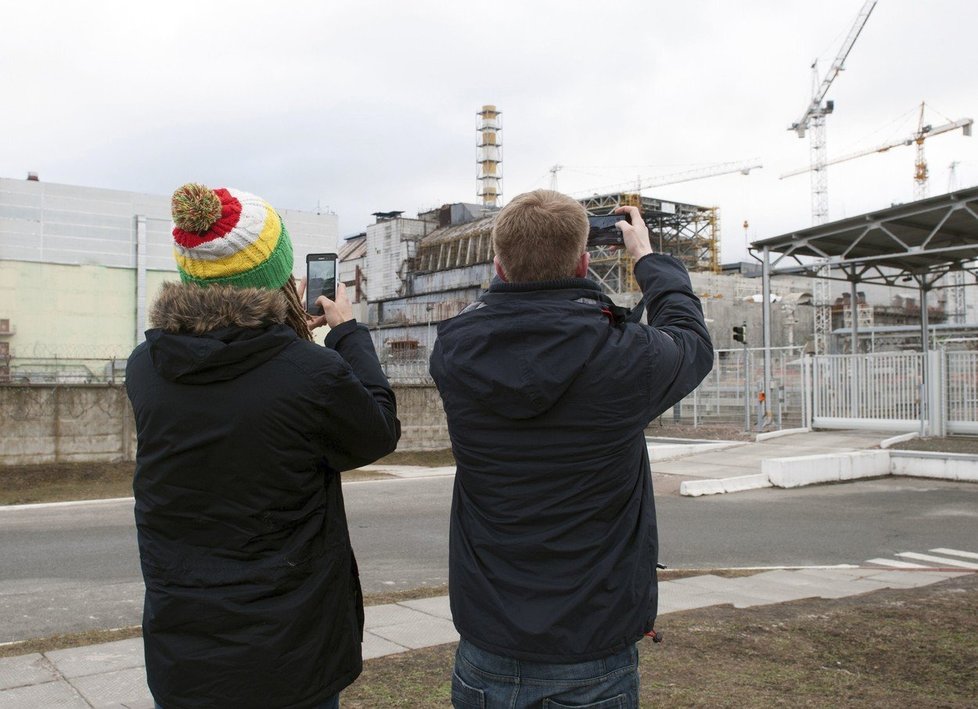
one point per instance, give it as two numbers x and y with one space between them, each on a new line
94 423
44 424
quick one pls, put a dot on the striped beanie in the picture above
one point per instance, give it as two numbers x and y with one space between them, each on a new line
230 237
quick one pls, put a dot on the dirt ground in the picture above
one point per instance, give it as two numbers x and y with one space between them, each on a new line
57 482
890 648
950 444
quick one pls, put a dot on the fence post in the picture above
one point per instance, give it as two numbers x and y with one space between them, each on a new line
936 402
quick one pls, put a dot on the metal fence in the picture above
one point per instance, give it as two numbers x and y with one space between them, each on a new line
882 388
881 391
730 393
961 391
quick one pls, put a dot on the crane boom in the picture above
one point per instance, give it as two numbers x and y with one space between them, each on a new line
815 106
724 168
926 132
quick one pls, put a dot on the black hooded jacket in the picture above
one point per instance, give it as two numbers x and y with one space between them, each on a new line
252 595
553 540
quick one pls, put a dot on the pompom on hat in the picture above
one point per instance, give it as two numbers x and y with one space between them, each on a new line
229 237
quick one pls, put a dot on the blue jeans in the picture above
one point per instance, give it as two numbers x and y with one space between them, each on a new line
331 703
482 679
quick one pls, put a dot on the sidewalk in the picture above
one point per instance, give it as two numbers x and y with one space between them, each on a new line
113 674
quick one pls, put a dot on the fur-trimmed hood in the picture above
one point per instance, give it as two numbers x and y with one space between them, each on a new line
203 335
192 309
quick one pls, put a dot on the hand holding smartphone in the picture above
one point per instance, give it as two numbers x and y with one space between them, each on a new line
603 230
320 280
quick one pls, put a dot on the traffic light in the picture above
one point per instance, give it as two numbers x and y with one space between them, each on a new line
740 333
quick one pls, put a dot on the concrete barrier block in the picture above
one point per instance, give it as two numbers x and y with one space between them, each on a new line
804 470
695 488
745 482
771 466
867 464
918 467
964 470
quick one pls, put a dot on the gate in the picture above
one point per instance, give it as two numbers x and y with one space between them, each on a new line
883 391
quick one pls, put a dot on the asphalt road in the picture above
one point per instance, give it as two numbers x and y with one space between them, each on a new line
70 568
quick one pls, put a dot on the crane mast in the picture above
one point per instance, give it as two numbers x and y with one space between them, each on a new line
813 119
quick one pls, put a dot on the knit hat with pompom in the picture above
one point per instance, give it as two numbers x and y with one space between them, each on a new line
228 236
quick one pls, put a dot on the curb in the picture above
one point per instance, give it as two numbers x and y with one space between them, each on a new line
673 451
899 439
783 432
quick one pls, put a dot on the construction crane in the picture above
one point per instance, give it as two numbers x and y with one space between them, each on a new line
814 116
723 168
923 132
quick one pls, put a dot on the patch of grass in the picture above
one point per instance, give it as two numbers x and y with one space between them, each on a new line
950 444
379 599
432 458
57 482
888 648
60 482
62 642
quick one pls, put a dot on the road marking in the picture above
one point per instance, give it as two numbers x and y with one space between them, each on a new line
70 503
938 560
955 552
896 564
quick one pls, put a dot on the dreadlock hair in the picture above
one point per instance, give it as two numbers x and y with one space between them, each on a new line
295 316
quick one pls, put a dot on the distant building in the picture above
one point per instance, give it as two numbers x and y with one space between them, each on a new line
79 267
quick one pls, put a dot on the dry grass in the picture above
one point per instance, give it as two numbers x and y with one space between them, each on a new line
890 648
59 482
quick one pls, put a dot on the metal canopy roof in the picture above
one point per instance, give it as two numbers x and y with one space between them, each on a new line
920 241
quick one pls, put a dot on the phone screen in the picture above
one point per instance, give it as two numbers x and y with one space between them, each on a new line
603 231
320 280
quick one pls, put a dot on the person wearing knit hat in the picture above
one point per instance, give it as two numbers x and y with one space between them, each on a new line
243 426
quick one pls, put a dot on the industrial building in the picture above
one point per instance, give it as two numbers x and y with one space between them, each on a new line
78 268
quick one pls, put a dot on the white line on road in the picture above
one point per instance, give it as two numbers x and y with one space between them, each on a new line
956 552
938 560
896 564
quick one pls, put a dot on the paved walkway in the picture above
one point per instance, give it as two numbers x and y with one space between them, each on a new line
113 674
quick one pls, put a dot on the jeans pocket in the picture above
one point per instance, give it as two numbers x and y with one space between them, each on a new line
464 695
618 702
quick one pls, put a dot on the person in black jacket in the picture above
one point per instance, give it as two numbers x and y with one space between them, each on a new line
547 391
243 426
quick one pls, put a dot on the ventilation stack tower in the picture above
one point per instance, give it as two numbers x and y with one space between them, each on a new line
490 156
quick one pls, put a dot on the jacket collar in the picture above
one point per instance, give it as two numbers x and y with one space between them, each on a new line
191 309
500 286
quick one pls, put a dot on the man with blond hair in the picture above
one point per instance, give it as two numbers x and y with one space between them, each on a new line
548 390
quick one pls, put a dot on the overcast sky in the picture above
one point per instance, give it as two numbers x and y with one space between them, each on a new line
371 105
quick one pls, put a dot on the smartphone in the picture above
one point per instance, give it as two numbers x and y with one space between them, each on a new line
320 280
603 231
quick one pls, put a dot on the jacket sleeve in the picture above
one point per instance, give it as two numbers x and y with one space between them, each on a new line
680 349
365 426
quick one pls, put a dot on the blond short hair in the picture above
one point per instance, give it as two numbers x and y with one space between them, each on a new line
540 236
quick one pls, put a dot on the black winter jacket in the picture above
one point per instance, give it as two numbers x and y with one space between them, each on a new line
252 594
553 541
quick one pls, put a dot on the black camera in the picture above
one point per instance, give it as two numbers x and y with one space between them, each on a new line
603 231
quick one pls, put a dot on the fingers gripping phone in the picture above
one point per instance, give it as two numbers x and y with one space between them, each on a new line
320 280
603 231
